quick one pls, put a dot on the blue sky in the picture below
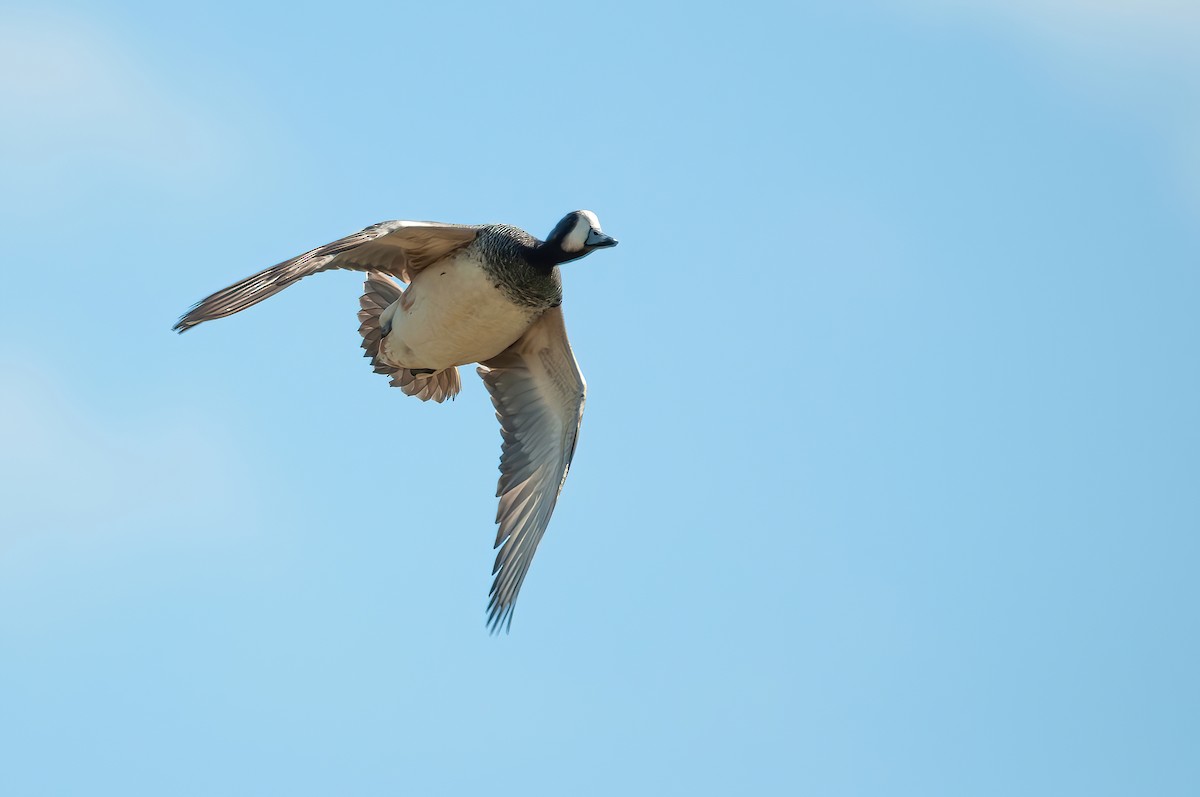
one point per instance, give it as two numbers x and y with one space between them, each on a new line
888 479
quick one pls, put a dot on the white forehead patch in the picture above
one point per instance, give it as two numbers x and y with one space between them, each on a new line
592 220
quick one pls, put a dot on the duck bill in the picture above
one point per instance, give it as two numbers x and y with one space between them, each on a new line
598 240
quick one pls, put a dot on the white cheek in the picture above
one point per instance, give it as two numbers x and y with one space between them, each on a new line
591 219
577 238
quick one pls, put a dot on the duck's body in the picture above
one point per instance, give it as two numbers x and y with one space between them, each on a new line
464 310
476 294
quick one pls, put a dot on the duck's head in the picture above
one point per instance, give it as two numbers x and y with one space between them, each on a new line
578 234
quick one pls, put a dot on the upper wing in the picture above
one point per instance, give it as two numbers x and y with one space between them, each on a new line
399 248
538 393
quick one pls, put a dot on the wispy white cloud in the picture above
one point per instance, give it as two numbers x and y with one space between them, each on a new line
70 94
1098 40
1143 57
1103 25
106 499
74 472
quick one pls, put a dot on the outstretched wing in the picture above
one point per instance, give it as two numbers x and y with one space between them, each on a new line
399 248
538 392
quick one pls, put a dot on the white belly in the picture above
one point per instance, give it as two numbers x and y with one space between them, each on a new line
452 315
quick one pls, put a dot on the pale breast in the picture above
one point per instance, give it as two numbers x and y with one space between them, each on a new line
452 314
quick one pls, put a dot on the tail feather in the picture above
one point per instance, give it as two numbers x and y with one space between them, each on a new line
439 386
379 293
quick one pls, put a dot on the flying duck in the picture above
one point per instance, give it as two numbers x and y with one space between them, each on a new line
488 294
